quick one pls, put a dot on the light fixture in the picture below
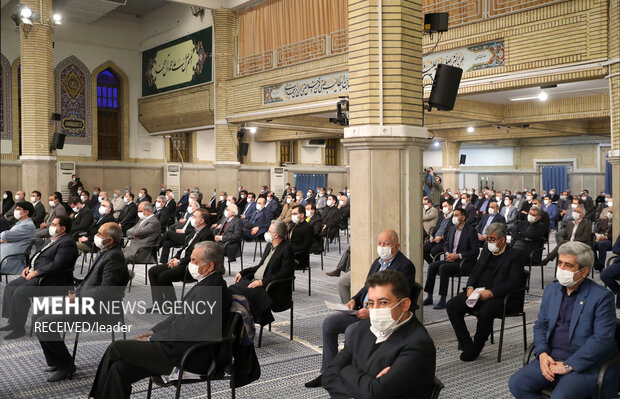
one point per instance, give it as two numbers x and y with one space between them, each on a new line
25 12
57 18
252 129
470 129
542 96
436 144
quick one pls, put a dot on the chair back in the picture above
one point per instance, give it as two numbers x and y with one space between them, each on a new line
520 294
284 289
416 289
437 387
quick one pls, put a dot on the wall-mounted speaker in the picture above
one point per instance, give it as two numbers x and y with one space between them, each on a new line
445 87
58 142
243 148
462 160
436 22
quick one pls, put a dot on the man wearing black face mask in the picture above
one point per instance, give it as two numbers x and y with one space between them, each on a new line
498 272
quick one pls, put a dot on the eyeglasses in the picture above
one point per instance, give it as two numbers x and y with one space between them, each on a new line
383 303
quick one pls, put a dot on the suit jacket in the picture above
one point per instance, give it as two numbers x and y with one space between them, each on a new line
249 211
483 221
145 234
400 263
468 246
57 261
470 213
429 219
507 276
108 276
272 207
285 215
117 206
409 352
94 228
262 220
592 326
233 230
82 221
301 236
511 215
280 265
172 209
128 216
316 222
537 231
163 215
203 235
331 219
221 207
179 332
56 211
241 203
38 216
320 202
583 234
17 240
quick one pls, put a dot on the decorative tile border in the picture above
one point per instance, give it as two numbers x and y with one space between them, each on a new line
316 86
6 124
73 100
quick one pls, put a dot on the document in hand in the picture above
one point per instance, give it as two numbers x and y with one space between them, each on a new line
340 307
473 298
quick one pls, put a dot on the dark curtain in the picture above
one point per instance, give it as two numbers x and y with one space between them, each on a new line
554 177
608 180
304 182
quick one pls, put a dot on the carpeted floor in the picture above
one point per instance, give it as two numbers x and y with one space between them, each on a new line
285 364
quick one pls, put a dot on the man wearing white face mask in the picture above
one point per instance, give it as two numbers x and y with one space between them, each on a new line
39 210
530 233
163 275
499 271
331 218
390 257
17 239
276 263
259 223
177 234
56 210
390 354
434 244
55 262
510 212
578 230
129 215
603 234
289 203
82 217
85 243
429 216
300 235
574 334
492 216
230 232
143 235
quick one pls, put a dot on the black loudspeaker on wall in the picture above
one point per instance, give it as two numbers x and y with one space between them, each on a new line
58 142
462 160
445 87
243 148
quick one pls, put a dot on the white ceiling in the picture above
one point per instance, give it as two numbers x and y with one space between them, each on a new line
563 90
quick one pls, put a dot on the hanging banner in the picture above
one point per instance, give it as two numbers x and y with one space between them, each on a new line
469 59
319 85
183 62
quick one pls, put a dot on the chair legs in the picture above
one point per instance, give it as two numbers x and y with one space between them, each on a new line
260 334
148 393
501 336
291 330
309 280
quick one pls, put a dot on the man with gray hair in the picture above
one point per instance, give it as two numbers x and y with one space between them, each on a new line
85 243
158 351
229 231
498 272
143 235
580 229
574 333
277 263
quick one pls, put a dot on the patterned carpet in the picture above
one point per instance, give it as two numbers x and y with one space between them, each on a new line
285 364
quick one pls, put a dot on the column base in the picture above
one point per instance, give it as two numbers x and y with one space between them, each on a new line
39 173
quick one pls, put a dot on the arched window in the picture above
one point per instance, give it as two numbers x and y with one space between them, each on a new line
109 115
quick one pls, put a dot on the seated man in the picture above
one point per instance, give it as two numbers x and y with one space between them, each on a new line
230 230
390 257
530 233
551 209
85 243
106 280
603 234
300 235
429 216
461 243
17 239
579 229
259 224
287 207
492 216
129 214
162 276
162 213
574 333
499 271
177 236
389 356
276 263
470 210
56 210
143 235
39 210
55 262
313 217
434 244
250 207
158 351
611 273
331 218
82 217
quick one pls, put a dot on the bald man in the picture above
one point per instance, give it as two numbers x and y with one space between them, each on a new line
390 257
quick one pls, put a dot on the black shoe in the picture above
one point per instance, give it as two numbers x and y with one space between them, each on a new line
316 383
8 327
471 353
428 301
334 273
62 374
51 369
16 334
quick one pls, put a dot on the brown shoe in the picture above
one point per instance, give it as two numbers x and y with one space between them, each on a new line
334 273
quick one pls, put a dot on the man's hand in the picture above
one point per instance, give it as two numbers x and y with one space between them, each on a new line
43 225
254 230
351 304
470 290
485 294
452 257
255 283
238 277
241 217
180 231
32 274
558 368
546 362
2 241
144 337
83 239
182 221
218 238
438 239
25 272
219 226
174 262
363 313
482 237
383 372
71 295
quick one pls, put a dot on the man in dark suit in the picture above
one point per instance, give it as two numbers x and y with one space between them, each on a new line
85 243
250 208
162 276
574 334
313 217
276 263
259 224
82 217
38 215
331 218
434 244
217 213
242 201
300 235
470 210
272 204
530 233
461 244
391 357
492 216
144 196
390 258
105 281
129 214
229 232
162 213
499 271
158 351
178 232
578 230
53 263
171 204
